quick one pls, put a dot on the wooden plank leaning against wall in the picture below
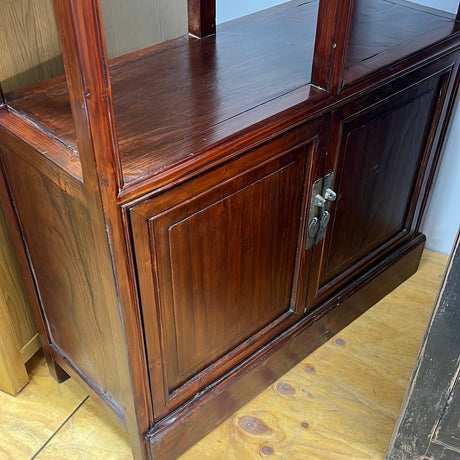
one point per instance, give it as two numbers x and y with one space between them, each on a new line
18 336
25 24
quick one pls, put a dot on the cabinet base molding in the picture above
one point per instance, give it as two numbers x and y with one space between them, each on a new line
177 432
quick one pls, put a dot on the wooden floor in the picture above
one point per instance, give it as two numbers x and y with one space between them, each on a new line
339 403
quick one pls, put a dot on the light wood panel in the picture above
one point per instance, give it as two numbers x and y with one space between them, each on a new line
97 438
18 335
29 44
339 403
13 375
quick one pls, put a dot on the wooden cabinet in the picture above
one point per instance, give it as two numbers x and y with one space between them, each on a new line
197 216
380 148
226 254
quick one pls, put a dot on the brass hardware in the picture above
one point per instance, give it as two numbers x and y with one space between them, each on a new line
321 197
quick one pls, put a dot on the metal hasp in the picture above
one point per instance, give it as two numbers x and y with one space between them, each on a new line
321 197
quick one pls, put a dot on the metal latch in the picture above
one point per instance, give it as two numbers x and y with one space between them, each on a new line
321 197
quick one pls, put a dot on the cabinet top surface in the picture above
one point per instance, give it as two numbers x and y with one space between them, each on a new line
174 100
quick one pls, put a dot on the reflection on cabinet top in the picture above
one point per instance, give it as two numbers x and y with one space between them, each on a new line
176 99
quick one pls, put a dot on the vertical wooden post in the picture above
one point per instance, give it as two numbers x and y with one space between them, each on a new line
201 17
331 43
85 60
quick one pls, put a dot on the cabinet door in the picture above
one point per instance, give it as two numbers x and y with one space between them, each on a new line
225 257
380 149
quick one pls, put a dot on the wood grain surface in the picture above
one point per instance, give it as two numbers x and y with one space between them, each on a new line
178 112
342 400
68 275
28 420
29 44
162 120
18 334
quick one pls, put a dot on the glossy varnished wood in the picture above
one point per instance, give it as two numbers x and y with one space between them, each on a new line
348 413
66 273
242 290
201 17
375 204
80 26
331 44
342 400
398 29
163 121
179 146
182 428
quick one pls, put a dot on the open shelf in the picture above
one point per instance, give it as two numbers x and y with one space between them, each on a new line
385 31
176 99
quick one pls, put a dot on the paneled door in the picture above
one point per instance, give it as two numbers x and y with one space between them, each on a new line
379 152
225 254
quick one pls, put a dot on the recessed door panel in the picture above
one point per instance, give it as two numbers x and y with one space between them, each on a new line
378 154
231 266
222 264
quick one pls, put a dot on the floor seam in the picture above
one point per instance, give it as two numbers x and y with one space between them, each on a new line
58 429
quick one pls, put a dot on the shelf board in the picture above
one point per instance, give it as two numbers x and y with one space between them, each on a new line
385 31
177 99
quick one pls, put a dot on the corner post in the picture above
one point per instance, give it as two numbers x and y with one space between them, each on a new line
201 17
331 43
87 73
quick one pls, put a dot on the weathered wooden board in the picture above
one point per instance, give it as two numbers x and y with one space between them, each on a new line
429 422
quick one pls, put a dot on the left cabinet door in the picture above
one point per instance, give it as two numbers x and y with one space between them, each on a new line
221 265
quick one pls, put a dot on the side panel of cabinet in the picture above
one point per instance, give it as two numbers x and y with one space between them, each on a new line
380 148
225 255
67 275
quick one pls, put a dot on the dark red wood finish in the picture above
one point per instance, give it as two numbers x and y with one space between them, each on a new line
201 17
241 228
378 177
171 197
331 44
176 433
213 99
82 42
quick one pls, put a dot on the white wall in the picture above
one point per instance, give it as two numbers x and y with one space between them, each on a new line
442 217
446 5
231 9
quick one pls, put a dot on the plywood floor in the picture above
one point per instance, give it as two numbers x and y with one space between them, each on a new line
339 403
